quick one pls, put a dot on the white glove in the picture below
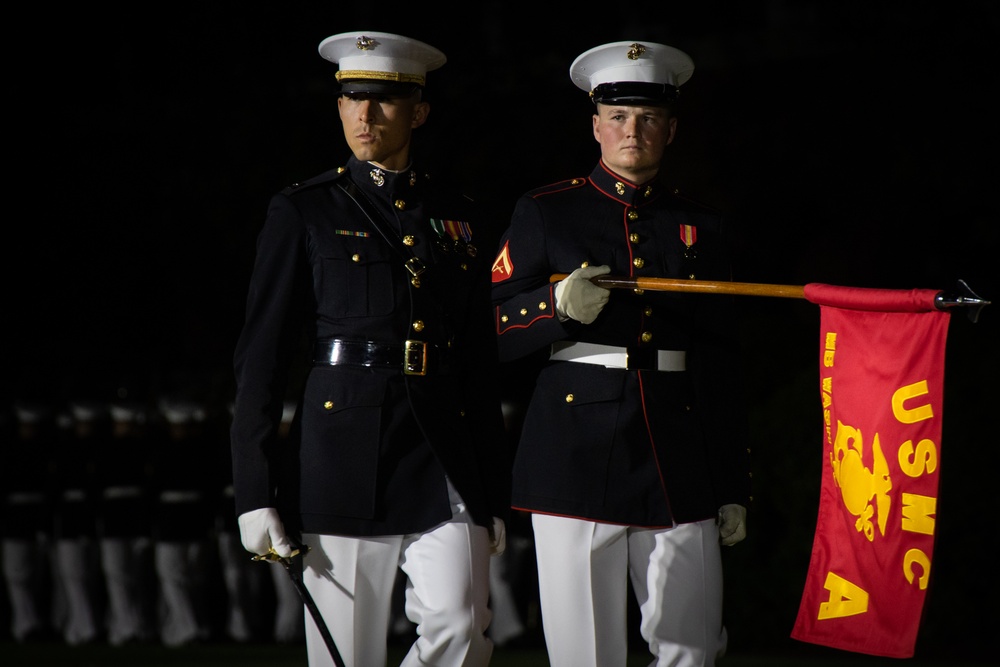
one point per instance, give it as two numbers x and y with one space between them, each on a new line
261 531
498 537
579 299
732 524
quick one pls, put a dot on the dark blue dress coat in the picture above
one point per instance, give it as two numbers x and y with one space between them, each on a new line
632 447
370 446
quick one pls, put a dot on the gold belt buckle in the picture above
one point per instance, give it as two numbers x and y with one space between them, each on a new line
415 357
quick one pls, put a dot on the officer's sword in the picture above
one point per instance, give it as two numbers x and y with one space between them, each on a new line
295 574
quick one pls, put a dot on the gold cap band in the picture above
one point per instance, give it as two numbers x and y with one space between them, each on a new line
398 77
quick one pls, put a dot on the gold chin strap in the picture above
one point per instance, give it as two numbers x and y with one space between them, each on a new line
374 75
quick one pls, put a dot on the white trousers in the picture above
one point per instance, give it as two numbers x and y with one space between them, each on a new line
78 572
447 592
24 562
127 566
289 622
676 574
182 570
244 580
507 623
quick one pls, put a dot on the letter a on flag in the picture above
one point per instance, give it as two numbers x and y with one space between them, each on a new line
881 381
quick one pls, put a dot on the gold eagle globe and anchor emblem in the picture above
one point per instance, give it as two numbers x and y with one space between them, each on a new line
859 484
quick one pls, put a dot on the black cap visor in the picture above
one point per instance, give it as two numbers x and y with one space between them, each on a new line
635 92
384 88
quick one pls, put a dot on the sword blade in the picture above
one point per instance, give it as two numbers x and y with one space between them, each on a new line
295 574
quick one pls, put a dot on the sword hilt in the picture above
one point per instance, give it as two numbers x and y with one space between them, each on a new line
272 556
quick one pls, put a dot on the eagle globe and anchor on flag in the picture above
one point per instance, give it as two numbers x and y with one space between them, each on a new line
860 485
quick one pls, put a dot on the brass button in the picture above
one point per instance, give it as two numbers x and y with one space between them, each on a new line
639 291
355 258
649 191
464 266
542 305
524 311
691 276
632 215
633 237
569 398
415 281
646 336
418 325
585 265
340 170
575 181
647 311
408 240
503 318
620 188
400 204
639 262
328 405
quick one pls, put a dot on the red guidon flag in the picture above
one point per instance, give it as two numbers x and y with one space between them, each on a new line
881 381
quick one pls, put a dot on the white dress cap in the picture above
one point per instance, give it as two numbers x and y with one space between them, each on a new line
128 413
632 71
87 411
30 413
380 61
182 411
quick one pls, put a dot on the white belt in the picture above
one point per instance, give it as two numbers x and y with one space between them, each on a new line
612 356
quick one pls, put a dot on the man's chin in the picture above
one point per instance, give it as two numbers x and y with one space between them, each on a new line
366 150
630 161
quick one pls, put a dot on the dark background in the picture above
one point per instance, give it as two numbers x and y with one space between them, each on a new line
854 142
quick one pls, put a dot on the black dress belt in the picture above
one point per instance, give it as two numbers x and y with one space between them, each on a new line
413 357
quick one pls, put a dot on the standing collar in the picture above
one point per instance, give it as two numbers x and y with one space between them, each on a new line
622 190
383 182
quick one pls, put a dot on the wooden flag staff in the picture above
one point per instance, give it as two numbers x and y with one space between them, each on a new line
962 296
